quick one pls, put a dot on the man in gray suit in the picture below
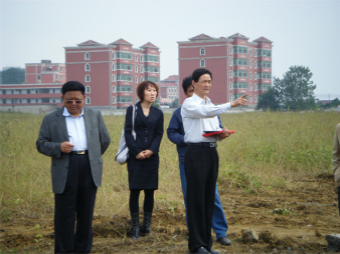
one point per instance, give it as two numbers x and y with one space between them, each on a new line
75 137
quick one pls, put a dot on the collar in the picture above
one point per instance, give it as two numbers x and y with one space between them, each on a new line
66 113
200 100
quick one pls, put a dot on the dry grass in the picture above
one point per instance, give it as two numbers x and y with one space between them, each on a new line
268 150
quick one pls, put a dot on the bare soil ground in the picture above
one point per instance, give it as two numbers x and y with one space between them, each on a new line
308 213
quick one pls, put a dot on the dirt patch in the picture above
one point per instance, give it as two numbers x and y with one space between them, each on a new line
289 221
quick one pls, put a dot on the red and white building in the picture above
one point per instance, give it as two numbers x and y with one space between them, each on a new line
238 66
111 73
169 90
42 86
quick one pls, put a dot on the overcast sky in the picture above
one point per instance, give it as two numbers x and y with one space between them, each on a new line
303 32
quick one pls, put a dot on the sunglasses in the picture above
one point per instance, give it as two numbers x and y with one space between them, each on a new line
71 102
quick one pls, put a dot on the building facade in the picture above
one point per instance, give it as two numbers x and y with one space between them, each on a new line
111 73
169 90
238 65
42 86
45 72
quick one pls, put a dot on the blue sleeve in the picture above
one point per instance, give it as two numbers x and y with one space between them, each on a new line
219 120
174 131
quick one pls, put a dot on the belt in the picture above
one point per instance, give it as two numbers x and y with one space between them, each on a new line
79 152
210 144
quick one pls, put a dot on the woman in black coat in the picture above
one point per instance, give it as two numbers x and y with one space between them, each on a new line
143 159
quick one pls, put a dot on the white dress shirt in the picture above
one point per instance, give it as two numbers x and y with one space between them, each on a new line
201 115
76 130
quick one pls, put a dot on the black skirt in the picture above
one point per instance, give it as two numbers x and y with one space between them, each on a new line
143 174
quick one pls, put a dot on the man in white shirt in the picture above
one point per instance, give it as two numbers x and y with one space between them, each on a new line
75 137
201 158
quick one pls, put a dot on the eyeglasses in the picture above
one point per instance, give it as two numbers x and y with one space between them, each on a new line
76 101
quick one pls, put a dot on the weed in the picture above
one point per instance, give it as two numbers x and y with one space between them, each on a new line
38 237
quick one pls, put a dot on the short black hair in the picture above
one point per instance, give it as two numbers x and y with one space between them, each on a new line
199 72
187 82
73 86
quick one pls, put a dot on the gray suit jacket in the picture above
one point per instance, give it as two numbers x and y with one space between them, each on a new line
53 132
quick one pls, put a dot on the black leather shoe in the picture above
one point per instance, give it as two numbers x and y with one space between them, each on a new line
224 241
213 252
202 250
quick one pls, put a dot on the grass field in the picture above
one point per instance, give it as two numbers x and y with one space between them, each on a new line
268 151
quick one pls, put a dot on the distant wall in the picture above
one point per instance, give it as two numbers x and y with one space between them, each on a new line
31 109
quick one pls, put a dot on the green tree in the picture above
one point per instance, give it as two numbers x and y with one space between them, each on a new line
296 90
175 103
269 99
13 75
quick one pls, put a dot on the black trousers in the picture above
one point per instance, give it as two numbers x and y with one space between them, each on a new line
201 171
75 203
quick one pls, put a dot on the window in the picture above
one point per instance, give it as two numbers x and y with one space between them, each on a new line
255 76
136 79
264 64
230 97
61 77
264 52
250 75
153 79
255 98
239 73
3 91
39 77
239 49
230 74
114 99
264 75
136 58
88 100
202 63
113 78
238 61
61 69
113 66
124 88
250 87
255 87
255 65
136 68
87 56
121 66
87 67
87 89
250 64
141 69
231 62
250 53
243 85
124 55
113 55
121 99
141 79
250 98
124 77
87 78
151 58
230 50
136 100
151 69
202 51
263 86
141 58
230 86
255 53
28 91
113 89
